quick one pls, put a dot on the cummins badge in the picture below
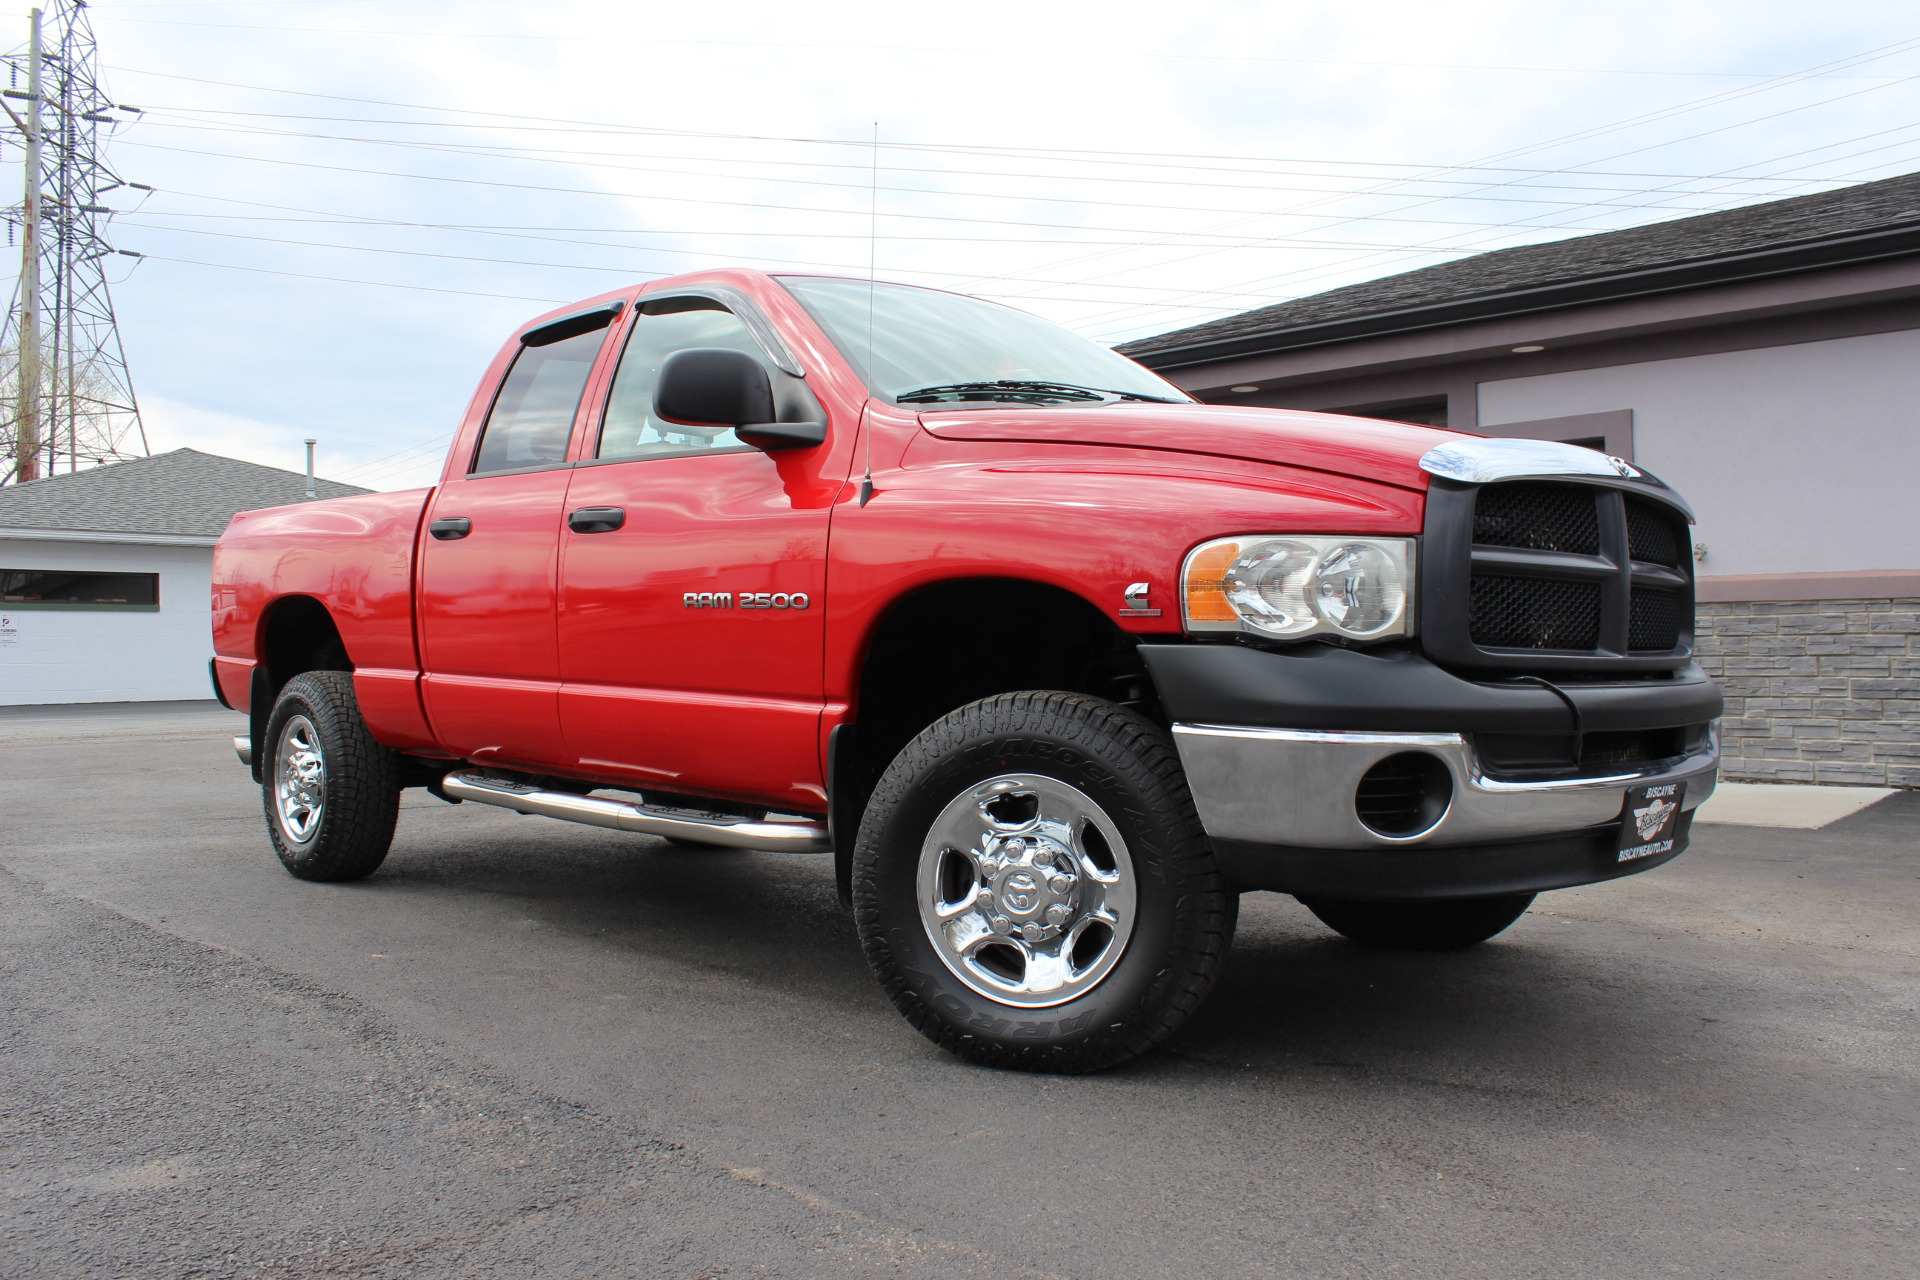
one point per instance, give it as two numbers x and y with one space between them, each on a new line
1134 601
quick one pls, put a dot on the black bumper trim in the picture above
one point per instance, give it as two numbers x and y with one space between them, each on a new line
1322 687
1415 873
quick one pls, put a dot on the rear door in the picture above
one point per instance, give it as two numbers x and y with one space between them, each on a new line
690 635
489 562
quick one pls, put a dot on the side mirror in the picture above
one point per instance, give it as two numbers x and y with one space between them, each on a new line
721 387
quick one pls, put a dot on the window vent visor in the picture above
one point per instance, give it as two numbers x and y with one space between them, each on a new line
573 326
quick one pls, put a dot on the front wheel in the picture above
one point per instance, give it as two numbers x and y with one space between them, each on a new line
332 793
1033 888
1451 924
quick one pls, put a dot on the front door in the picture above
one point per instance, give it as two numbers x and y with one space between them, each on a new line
488 566
692 590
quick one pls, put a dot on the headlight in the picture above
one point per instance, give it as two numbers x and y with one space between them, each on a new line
1291 586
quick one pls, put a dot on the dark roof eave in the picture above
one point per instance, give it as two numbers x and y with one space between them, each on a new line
1871 246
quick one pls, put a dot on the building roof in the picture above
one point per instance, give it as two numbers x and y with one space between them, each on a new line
184 494
1862 223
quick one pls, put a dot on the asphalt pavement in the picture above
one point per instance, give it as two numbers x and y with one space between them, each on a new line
525 1048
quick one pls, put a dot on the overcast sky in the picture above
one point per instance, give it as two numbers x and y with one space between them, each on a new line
1121 168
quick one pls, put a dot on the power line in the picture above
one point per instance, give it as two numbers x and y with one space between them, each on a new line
1051 156
378 284
518 229
592 160
1874 54
950 50
757 204
627 273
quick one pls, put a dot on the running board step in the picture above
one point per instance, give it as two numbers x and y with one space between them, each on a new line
620 815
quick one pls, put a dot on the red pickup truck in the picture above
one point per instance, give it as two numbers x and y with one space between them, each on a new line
1052 659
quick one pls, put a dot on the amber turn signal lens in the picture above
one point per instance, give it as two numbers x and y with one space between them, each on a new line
1207 584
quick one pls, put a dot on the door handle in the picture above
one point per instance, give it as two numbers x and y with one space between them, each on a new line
447 528
596 519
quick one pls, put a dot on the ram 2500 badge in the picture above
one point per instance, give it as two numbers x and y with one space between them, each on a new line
1054 661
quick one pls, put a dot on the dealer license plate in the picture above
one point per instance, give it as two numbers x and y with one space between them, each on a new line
1648 821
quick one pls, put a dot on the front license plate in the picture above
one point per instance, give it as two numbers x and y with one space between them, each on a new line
1648 822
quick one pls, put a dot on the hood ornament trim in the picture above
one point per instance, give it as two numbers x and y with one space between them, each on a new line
1485 461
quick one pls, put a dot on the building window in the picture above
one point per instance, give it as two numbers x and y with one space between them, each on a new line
66 589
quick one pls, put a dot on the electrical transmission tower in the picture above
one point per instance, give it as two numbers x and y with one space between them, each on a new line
65 394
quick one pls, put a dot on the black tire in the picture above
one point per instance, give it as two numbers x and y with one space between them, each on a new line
1451 924
358 787
1127 998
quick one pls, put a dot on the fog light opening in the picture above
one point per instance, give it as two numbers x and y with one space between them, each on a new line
1404 796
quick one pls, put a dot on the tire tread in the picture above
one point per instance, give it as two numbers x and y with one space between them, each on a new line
1205 913
363 782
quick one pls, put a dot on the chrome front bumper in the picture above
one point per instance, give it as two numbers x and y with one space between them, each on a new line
1296 788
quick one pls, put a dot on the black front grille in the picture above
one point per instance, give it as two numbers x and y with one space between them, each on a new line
1654 535
1654 622
1543 575
1538 517
1629 747
1534 613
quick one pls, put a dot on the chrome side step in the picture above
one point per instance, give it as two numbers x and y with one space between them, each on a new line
620 815
243 747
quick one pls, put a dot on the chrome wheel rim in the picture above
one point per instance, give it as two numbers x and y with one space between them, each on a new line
299 780
1026 890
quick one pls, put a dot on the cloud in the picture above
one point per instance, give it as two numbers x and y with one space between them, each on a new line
337 266
172 424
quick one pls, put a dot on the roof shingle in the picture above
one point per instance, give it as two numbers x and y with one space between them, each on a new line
1888 204
184 493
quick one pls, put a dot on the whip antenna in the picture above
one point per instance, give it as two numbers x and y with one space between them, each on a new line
873 253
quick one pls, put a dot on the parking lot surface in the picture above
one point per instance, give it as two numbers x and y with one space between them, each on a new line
525 1048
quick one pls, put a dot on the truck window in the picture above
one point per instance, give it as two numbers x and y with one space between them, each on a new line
944 349
532 417
664 326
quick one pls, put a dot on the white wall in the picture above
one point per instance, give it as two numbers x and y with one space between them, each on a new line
54 655
1797 459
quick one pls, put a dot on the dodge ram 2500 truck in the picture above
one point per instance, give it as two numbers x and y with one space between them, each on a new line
1053 660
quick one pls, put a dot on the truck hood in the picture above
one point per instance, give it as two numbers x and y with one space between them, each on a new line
1365 448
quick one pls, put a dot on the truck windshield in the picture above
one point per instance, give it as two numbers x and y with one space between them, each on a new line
921 346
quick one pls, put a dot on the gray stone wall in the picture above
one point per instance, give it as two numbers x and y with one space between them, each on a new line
1817 690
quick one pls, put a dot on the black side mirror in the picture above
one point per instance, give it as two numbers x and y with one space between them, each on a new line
718 386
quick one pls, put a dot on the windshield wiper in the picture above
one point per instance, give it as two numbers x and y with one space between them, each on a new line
1021 391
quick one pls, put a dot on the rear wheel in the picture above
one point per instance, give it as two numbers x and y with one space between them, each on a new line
1451 924
332 793
1033 888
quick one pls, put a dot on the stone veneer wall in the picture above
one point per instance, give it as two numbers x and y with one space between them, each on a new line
1817 690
